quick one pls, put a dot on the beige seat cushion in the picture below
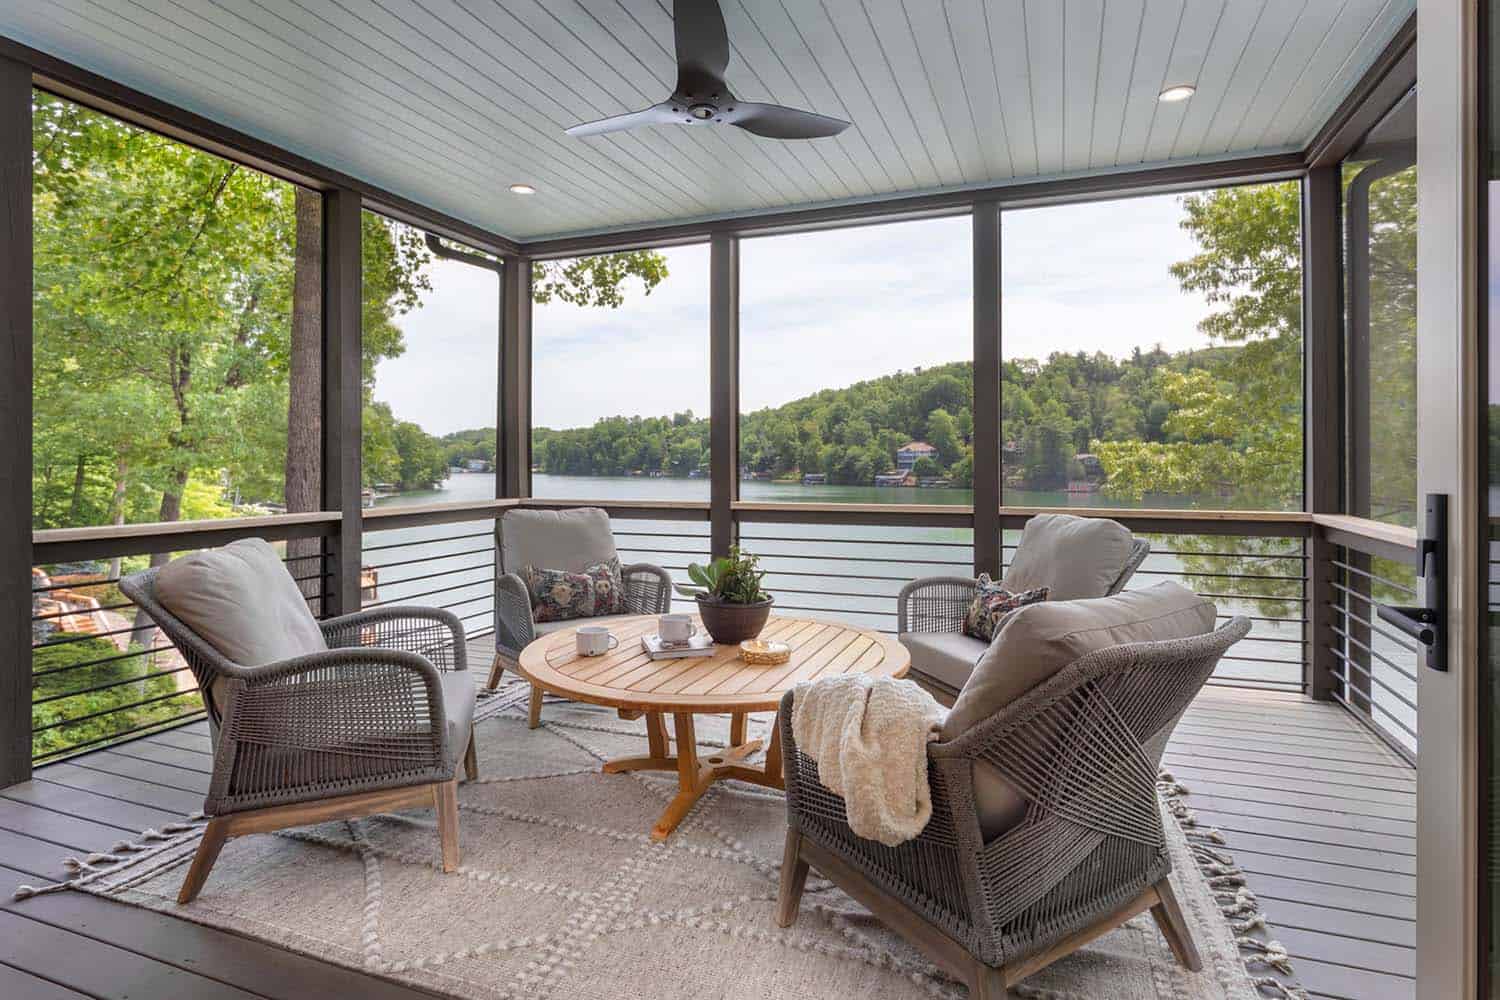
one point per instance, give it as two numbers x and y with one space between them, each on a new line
945 657
570 540
1074 557
242 601
1038 642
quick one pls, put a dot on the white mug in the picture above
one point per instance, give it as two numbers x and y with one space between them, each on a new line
676 628
595 640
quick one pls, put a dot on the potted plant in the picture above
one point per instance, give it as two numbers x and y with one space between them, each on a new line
730 599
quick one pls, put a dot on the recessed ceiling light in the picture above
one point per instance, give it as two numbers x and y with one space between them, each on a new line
522 189
1180 92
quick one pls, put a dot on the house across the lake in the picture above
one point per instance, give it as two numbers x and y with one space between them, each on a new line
907 454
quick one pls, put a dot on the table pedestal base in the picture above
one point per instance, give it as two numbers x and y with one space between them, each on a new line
695 773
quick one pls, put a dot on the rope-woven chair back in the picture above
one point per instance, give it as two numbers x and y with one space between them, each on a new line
1083 750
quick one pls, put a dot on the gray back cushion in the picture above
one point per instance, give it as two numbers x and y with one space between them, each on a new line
242 601
1040 640
1074 557
571 540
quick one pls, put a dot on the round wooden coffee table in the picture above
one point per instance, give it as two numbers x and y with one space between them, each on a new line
720 683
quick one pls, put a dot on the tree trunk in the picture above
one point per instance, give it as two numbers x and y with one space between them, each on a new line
75 508
304 424
117 510
143 629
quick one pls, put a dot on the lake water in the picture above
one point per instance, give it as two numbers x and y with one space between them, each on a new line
853 572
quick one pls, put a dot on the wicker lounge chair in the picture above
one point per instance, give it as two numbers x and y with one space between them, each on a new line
930 611
376 721
1086 853
562 539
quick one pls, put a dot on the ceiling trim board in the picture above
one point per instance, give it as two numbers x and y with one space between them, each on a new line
1020 193
1389 77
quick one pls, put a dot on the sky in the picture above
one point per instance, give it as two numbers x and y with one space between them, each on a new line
818 310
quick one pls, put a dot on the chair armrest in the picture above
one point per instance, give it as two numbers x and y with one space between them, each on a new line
929 871
434 633
514 627
648 589
934 604
329 723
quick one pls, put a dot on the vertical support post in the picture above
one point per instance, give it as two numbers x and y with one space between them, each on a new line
15 422
988 550
724 389
513 449
343 402
1322 427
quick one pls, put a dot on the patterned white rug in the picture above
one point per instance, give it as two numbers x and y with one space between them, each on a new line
562 892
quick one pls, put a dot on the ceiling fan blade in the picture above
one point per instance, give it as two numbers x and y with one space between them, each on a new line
776 122
702 47
659 114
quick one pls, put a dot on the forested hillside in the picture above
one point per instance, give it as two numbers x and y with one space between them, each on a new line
1052 411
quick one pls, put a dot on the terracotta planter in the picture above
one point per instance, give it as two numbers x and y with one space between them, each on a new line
731 624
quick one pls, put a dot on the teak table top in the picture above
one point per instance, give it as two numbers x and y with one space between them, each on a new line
720 682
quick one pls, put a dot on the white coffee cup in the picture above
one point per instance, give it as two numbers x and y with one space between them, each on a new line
676 628
595 640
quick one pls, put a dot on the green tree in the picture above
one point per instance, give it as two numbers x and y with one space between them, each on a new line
1234 428
942 434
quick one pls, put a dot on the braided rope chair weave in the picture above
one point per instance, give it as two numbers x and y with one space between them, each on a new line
366 715
1083 750
939 603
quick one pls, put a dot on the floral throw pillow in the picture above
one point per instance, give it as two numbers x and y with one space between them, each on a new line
993 604
558 595
609 589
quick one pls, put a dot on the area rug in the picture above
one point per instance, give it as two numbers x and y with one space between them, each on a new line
562 893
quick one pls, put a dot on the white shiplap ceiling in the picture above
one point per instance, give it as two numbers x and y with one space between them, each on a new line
448 102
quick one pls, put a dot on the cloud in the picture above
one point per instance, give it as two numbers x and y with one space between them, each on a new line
818 310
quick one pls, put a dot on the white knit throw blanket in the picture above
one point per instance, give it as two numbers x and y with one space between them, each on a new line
869 739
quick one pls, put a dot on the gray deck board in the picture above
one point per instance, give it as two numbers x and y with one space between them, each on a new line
1318 812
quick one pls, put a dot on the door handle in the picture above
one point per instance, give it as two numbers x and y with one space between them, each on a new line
1427 622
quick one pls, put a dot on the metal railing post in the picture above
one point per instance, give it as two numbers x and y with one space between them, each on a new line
15 422
724 389
1322 427
513 448
343 409
986 438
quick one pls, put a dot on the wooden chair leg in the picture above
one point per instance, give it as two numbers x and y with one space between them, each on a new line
214 836
1174 927
535 717
445 799
471 762
987 983
496 669
793 878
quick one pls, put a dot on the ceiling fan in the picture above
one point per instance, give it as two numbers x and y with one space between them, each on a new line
703 98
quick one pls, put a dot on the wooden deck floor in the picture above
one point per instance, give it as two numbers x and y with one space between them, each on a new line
1319 813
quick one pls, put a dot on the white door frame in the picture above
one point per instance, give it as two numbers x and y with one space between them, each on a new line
1449 413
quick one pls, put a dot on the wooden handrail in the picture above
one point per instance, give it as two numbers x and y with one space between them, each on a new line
402 516
112 532
108 540
1375 531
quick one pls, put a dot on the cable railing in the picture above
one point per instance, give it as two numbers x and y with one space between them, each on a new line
101 670
444 565
102 674
853 572
1374 666
1261 577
